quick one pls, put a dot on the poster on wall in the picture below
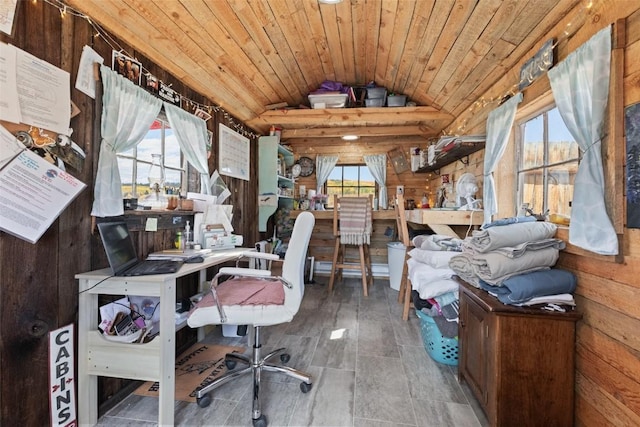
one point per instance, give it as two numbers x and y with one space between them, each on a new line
632 131
233 155
126 66
33 193
34 92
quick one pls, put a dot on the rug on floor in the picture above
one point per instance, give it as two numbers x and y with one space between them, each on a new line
195 368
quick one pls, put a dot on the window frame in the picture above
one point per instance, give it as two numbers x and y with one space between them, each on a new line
326 185
136 161
545 167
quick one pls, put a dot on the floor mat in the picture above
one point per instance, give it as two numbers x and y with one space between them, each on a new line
195 368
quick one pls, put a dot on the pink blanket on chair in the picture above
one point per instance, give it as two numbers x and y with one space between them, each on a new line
246 292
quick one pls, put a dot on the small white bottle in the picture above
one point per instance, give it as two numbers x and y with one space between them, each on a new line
187 236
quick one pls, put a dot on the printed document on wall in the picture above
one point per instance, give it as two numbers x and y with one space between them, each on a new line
33 193
44 92
9 104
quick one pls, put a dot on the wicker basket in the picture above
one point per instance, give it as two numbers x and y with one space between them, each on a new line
441 349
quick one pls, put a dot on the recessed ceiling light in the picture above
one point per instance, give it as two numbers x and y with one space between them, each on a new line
350 137
330 1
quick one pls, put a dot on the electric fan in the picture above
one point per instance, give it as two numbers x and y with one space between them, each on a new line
466 188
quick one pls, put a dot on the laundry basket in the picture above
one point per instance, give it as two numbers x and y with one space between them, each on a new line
441 349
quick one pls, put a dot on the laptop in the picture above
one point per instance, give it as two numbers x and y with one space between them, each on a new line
122 256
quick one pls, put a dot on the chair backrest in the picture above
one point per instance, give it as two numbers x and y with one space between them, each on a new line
401 222
354 217
296 255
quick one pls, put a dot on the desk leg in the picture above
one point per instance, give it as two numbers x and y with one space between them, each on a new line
87 384
167 354
202 332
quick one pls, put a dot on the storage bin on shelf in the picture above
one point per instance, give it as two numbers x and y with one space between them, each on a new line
441 349
396 100
333 100
376 92
374 102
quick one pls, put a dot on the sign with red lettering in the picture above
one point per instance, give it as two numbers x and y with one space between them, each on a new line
62 395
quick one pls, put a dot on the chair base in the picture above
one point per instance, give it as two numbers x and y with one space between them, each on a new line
255 365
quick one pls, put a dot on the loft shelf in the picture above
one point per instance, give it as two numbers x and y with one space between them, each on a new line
462 150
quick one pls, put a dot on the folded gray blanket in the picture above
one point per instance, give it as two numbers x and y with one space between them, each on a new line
495 268
524 287
519 250
461 265
510 235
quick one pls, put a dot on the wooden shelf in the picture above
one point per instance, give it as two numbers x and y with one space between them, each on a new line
462 150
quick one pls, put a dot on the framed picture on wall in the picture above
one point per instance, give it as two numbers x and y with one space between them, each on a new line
233 154
126 66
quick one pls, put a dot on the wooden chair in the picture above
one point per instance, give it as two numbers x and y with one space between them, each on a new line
352 227
404 296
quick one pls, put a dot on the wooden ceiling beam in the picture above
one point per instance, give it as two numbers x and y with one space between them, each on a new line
362 131
332 117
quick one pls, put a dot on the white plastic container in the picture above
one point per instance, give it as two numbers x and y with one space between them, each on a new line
395 254
338 100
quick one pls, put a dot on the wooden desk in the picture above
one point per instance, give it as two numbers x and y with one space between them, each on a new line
440 221
152 361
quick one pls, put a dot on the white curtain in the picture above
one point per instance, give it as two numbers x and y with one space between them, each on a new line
191 132
127 113
580 86
377 164
499 125
324 166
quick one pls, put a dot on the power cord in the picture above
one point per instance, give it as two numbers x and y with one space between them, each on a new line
88 289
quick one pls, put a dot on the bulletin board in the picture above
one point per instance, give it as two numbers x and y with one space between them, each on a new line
233 154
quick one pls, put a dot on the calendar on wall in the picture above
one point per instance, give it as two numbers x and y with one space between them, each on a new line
233 154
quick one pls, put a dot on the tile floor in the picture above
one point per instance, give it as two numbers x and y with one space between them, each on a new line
370 369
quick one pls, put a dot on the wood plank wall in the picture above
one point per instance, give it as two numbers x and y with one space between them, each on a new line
608 293
38 292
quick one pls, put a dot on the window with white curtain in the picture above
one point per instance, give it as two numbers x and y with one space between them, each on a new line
134 164
548 158
351 181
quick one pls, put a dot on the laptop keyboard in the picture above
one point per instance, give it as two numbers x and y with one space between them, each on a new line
154 267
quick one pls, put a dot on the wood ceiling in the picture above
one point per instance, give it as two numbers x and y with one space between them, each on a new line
245 55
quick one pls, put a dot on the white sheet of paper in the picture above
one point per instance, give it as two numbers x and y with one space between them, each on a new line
9 146
7 12
85 82
33 193
44 92
151 224
9 104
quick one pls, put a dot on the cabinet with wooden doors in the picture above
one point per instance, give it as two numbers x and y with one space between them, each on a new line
518 362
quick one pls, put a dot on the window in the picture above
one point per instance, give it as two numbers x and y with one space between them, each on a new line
548 162
134 164
350 180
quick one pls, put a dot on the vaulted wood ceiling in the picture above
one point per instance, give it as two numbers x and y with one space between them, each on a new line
245 55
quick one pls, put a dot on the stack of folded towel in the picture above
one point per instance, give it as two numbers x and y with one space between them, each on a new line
513 260
435 293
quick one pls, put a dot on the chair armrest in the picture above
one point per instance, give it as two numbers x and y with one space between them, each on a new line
246 272
260 255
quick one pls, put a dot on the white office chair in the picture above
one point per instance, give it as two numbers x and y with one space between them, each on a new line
215 309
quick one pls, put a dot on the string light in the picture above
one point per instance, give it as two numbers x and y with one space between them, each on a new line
570 29
113 44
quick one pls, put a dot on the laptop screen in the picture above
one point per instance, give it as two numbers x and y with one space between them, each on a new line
118 245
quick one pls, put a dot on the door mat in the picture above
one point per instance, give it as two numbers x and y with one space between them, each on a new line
195 368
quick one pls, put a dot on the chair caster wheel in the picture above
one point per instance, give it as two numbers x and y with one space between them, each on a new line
285 357
230 364
305 388
204 401
260 422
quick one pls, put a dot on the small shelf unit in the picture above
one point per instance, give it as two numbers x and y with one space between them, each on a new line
459 152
